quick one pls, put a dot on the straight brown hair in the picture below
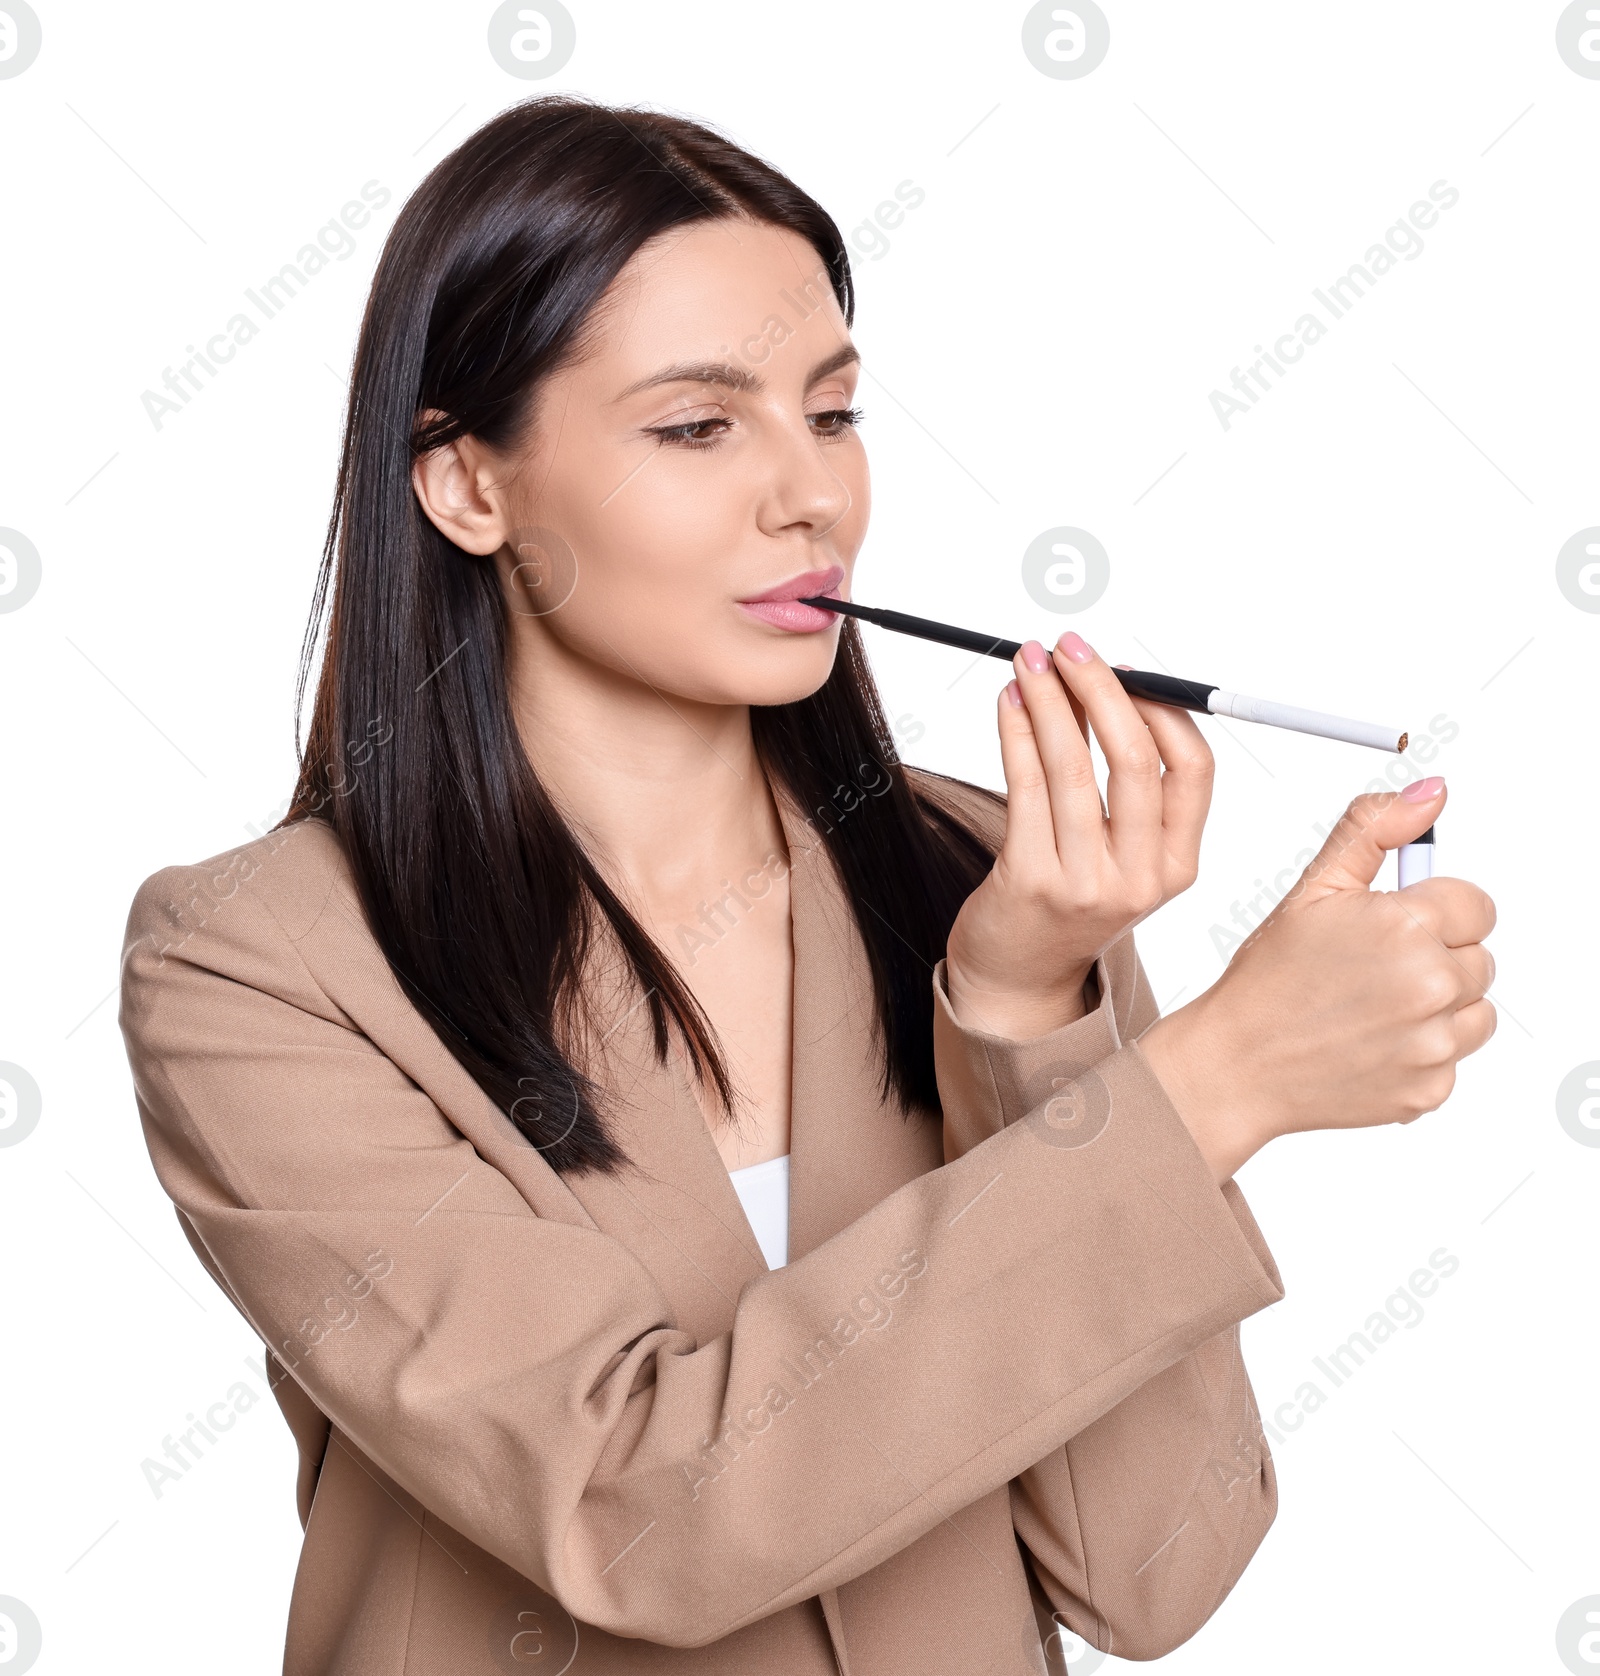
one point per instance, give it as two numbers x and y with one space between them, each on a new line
482 899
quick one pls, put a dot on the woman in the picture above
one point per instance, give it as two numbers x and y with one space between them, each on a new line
602 882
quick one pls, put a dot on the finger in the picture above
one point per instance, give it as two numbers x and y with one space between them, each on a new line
1133 786
1456 911
1475 968
1374 824
1030 837
1075 808
1186 785
1081 717
1474 1025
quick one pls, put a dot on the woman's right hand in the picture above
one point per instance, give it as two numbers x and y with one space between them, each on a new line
1346 1007
1076 870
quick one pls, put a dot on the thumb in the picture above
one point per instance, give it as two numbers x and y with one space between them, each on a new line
1374 823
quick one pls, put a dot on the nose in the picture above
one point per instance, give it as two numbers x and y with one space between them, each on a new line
802 493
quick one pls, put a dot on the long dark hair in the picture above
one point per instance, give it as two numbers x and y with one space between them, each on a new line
479 894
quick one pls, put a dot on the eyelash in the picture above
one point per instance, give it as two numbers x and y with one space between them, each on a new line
680 436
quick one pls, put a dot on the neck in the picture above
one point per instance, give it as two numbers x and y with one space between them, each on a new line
666 794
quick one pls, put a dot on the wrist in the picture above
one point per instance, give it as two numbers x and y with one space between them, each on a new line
1202 1080
1016 1015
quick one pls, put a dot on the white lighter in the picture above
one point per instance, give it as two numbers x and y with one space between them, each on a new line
1416 859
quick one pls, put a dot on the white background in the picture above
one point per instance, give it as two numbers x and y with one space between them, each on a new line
1093 257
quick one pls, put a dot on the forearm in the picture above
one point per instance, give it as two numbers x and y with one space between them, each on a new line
1140 1525
1141 1522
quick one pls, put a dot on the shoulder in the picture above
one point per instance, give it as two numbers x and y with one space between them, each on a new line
981 811
243 911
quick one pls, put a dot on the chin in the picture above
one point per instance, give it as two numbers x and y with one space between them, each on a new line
777 671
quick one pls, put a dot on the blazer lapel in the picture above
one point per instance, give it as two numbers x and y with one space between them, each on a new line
848 1147
676 1208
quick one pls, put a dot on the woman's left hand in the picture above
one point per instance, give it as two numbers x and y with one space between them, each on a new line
1075 873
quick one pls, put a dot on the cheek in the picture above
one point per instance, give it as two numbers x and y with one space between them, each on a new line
644 537
655 580
671 525
652 578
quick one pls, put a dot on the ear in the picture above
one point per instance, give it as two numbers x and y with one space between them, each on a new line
458 487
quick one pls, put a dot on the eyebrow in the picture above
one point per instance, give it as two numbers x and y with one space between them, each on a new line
734 377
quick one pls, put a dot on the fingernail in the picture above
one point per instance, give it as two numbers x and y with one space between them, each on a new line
1076 647
1035 657
1419 791
1014 693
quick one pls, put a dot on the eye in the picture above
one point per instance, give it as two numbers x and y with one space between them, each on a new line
697 433
835 421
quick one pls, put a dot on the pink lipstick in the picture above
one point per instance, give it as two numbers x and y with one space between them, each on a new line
783 606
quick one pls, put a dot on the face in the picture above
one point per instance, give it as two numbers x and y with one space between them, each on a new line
685 482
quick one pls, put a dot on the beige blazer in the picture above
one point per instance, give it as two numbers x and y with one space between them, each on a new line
578 1425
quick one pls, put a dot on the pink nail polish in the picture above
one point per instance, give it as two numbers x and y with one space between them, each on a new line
1035 657
1014 694
1420 791
1076 647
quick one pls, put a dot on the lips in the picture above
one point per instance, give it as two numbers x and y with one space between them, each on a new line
781 607
813 582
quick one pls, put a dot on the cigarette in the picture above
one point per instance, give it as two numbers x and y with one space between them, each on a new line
1245 709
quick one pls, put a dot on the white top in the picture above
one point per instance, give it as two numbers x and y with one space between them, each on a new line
763 1190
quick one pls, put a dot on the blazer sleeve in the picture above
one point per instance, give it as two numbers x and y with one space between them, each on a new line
1139 1524
525 1379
